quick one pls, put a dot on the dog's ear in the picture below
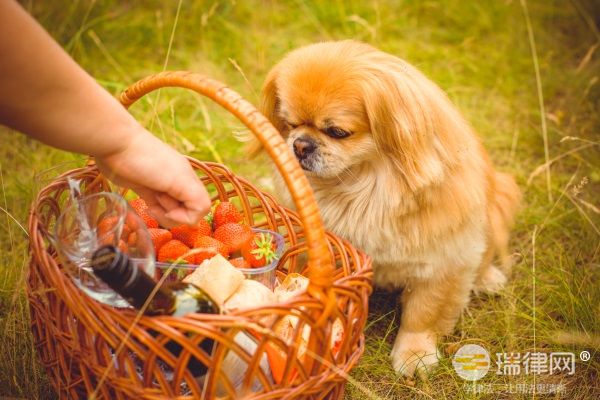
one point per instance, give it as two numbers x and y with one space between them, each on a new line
269 102
403 118
268 107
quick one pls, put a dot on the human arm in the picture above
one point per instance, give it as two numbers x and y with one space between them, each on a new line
45 94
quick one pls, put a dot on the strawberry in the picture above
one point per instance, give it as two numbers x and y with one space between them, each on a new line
150 221
182 233
225 212
138 204
204 227
239 262
136 241
173 250
159 237
207 247
233 235
131 220
188 234
123 246
132 239
141 208
108 224
259 250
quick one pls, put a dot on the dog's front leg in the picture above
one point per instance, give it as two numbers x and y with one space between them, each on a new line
430 309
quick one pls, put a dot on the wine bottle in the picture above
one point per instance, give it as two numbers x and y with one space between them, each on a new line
172 298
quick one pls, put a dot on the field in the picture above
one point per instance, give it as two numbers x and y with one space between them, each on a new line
524 73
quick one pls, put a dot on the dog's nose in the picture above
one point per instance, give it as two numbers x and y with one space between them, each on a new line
303 147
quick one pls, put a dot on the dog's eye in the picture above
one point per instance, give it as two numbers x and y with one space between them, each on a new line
335 132
291 126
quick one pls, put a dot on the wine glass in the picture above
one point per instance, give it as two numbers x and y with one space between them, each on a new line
93 221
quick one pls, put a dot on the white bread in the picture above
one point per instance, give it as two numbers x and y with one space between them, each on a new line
250 294
292 285
217 277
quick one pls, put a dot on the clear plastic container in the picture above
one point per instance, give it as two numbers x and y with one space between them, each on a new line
265 275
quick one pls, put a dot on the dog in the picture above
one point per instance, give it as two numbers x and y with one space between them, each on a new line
398 172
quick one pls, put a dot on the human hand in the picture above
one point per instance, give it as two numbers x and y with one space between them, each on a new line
160 175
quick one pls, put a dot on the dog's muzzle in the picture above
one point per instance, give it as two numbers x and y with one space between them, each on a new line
304 147
306 151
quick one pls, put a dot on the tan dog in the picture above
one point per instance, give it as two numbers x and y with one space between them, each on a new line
397 171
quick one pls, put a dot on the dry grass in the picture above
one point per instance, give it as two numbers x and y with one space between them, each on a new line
479 52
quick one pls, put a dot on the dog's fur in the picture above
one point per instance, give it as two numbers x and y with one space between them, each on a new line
411 185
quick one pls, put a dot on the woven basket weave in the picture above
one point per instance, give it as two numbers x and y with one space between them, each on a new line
92 350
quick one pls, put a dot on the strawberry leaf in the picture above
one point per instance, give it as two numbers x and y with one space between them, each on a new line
264 247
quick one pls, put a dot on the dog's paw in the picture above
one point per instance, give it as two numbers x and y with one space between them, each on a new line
414 352
491 280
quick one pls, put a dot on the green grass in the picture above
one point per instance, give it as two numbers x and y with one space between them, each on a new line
479 52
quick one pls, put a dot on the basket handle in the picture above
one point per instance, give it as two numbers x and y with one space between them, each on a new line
320 268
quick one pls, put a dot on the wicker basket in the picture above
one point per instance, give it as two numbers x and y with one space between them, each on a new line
92 350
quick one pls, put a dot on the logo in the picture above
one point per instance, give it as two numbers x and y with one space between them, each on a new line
471 362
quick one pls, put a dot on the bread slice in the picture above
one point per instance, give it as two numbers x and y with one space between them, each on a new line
217 277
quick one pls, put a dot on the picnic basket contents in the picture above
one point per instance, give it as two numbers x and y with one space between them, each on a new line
293 332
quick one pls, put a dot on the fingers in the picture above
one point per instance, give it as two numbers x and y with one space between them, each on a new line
191 196
182 215
160 214
177 211
167 202
198 202
185 203
168 211
154 207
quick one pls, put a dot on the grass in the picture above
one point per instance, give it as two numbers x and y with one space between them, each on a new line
479 52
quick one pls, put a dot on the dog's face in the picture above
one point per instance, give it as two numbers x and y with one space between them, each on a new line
341 104
318 105
323 120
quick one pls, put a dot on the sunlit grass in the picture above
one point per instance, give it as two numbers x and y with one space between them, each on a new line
479 52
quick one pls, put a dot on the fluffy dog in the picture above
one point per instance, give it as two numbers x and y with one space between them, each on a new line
398 172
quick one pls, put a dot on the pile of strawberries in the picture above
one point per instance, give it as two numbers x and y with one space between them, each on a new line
221 232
